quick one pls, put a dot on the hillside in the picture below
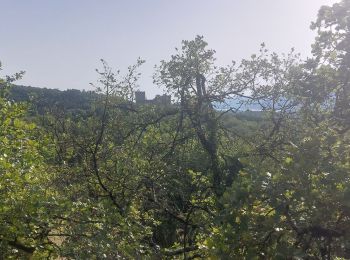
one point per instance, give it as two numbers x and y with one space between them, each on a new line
42 98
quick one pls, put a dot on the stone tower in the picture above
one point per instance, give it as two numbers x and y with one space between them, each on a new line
140 97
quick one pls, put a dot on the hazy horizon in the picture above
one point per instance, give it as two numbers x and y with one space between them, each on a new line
59 43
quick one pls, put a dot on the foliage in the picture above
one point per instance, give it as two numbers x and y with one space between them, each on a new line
102 177
28 202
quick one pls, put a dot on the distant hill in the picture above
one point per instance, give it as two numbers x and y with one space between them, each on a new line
42 98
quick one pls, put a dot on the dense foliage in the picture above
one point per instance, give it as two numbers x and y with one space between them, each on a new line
100 177
42 99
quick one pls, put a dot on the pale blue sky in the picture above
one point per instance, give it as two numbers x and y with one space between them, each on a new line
59 42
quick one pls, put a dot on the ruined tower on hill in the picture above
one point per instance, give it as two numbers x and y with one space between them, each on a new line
140 99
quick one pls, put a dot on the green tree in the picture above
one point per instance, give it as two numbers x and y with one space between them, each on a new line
295 200
27 199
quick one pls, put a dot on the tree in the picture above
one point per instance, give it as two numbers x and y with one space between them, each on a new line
296 200
27 199
205 95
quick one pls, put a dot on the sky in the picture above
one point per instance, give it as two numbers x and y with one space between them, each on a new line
59 43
